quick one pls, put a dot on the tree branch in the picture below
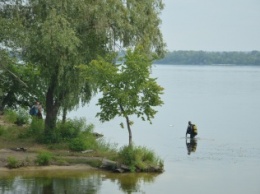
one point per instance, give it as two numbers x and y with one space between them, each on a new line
13 74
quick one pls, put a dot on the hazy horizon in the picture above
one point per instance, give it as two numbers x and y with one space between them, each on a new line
217 25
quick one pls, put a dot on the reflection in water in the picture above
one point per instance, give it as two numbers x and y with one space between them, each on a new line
191 144
71 182
49 185
131 182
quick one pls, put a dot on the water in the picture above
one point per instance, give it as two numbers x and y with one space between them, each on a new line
224 103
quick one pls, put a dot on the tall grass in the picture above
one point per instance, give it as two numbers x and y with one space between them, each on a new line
19 116
139 158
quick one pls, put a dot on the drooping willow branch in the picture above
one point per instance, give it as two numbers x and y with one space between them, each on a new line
13 74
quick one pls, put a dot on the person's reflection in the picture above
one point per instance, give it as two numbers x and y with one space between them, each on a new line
191 144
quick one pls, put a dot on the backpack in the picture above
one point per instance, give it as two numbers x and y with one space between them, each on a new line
195 129
33 110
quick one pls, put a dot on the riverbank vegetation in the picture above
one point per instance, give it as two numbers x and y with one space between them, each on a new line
76 143
207 58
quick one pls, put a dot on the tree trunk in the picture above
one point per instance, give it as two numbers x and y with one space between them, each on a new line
128 126
129 131
64 115
52 108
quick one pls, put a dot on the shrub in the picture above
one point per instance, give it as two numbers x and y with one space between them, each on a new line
83 142
22 117
12 162
10 115
127 157
35 128
18 117
44 158
71 129
77 144
139 158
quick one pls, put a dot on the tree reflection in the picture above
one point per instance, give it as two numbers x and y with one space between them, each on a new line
88 183
48 185
131 182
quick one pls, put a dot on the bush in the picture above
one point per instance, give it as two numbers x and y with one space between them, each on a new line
139 158
10 115
71 129
83 142
44 158
19 117
35 128
127 157
22 117
12 162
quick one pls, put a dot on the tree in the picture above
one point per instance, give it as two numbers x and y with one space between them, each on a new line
57 35
19 84
127 88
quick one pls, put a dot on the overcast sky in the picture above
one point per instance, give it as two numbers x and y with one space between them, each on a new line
211 25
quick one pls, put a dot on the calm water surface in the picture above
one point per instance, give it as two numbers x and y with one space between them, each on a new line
224 103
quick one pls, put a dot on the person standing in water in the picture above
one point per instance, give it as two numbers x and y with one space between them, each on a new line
192 130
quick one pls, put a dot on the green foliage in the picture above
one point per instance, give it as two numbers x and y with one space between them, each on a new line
127 157
18 117
10 115
12 162
127 88
72 128
10 133
106 149
56 35
35 129
138 158
19 83
22 117
83 142
66 131
2 130
44 158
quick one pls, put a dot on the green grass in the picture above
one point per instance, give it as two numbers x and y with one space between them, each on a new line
12 162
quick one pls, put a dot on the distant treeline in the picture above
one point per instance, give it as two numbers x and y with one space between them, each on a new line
203 57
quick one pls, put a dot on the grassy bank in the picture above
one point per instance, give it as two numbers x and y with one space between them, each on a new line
22 137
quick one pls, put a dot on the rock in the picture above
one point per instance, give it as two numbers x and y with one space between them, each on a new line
19 149
87 151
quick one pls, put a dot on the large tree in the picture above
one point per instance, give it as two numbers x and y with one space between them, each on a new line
56 35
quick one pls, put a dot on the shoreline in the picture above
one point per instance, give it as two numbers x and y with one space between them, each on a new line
50 167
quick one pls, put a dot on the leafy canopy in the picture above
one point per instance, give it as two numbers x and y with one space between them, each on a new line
127 89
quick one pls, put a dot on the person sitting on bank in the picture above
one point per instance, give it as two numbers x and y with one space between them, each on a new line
39 114
34 109
192 130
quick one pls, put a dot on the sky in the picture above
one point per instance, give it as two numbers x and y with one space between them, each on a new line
211 25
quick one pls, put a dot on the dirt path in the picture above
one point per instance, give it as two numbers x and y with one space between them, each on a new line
18 155
10 149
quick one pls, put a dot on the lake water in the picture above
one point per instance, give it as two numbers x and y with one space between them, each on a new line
224 103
